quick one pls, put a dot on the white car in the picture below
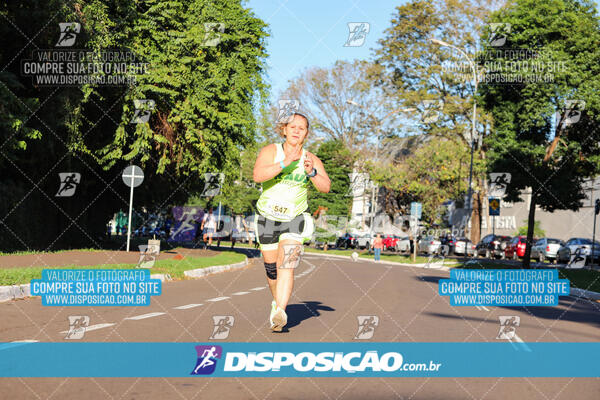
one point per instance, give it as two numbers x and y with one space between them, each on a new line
429 245
546 249
363 241
464 247
402 244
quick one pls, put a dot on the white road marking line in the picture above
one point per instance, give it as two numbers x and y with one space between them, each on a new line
218 298
93 327
482 308
25 341
185 307
522 343
240 293
259 288
144 316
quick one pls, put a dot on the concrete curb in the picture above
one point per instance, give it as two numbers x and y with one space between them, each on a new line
585 294
200 272
14 292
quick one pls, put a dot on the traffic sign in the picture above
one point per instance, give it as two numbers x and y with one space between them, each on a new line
416 209
133 176
494 206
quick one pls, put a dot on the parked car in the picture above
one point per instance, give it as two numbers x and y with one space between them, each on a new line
363 241
389 242
546 249
403 244
320 243
429 245
492 246
346 241
464 247
516 248
585 246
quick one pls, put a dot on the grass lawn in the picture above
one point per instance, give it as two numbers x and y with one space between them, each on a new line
26 253
14 276
580 278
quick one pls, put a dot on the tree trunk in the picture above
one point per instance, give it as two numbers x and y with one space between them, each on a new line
476 216
530 227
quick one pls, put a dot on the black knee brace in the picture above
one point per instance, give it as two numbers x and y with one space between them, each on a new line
271 269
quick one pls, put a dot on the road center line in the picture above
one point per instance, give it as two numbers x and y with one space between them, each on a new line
144 316
240 293
185 307
218 298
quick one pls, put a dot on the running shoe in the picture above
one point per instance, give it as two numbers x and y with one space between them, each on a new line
273 308
279 320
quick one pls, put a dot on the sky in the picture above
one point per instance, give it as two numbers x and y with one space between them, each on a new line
308 33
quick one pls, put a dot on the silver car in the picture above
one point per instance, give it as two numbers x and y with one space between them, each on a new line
546 249
363 241
429 245
565 251
403 244
464 247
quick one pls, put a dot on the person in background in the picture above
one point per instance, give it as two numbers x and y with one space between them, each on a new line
210 222
377 246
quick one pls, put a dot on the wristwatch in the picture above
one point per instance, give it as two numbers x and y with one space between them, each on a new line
312 173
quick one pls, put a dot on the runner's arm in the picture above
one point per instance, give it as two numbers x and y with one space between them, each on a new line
321 181
265 168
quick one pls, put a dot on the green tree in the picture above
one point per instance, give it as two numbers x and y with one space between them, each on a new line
204 117
417 73
338 162
436 172
565 35
538 232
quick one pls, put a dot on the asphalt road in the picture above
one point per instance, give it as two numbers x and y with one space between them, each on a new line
329 295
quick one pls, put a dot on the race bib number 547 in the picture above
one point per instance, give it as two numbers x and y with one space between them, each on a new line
281 209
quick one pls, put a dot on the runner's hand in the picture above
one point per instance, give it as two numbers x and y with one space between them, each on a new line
308 164
294 156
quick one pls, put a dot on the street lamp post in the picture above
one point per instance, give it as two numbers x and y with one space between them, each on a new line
378 134
474 119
